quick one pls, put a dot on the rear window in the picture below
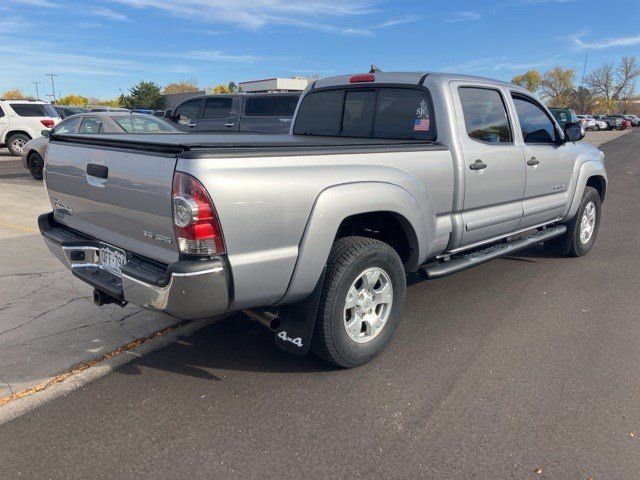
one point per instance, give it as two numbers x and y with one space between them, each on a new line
394 113
140 124
270 106
34 110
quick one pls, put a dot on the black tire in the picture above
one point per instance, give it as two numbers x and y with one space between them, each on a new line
596 127
35 164
570 244
349 257
14 140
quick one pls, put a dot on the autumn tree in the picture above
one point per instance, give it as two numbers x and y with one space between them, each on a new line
613 83
221 88
13 94
529 80
557 87
183 86
76 100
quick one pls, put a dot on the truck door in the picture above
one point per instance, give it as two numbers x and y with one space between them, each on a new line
493 165
185 116
549 166
220 114
267 114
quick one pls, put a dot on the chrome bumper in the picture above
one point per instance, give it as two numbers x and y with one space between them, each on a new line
188 289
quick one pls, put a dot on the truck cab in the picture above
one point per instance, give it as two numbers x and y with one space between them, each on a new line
236 113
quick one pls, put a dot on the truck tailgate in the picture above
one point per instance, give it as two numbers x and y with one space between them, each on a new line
120 197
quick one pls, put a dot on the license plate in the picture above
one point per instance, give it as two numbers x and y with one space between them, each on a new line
112 259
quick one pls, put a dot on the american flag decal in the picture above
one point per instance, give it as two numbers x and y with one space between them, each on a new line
421 124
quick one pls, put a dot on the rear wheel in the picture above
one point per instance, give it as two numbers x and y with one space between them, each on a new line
361 302
596 127
582 230
16 141
36 165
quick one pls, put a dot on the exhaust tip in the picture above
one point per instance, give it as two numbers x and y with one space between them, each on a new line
275 324
97 298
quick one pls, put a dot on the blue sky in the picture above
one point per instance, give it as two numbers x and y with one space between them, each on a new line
98 47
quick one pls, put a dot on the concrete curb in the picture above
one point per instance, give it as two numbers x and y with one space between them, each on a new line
20 406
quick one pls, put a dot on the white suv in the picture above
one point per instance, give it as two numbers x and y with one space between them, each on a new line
22 120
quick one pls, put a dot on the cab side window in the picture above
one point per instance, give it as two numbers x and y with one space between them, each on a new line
535 124
485 115
189 109
1 112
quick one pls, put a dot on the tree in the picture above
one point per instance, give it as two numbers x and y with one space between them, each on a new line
13 94
612 83
557 87
221 88
529 80
73 99
183 86
583 101
145 95
104 103
233 88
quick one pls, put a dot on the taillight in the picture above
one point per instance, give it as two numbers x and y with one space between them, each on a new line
194 218
362 78
48 122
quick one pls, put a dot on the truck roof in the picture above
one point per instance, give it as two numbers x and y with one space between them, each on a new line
408 78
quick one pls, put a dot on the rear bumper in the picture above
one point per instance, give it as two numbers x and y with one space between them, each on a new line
186 289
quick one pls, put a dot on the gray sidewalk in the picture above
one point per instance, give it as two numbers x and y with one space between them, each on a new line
48 322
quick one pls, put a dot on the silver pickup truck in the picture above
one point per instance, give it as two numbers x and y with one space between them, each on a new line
313 233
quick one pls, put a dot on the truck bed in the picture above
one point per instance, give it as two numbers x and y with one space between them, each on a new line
252 145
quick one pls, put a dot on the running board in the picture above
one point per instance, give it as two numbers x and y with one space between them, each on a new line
469 260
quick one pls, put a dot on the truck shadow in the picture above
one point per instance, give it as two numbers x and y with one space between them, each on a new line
235 343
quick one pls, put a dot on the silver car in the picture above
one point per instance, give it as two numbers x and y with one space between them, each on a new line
33 153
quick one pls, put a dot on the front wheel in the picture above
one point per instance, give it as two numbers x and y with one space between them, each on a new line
361 301
36 165
596 127
582 229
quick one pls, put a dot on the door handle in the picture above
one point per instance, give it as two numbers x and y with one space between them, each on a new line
229 125
478 165
98 171
533 161
192 125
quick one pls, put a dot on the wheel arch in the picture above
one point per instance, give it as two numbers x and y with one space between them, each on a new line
592 173
9 133
357 207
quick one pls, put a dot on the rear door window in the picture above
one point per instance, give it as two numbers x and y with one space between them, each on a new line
285 105
90 125
217 108
34 110
485 115
68 126
258 107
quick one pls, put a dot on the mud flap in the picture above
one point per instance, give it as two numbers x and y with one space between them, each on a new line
298 321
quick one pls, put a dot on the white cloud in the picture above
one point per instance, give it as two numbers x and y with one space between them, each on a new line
35 3
464 16
604 43
110 14
254 14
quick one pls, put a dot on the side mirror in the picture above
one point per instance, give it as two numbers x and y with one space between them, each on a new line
45 133
167 114
573 132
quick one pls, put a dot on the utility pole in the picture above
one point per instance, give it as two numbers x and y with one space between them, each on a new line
584 69
53 88
37 91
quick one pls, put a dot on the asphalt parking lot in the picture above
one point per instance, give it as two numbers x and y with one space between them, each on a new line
525 363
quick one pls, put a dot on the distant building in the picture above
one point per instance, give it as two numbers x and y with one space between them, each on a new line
295 84
172 100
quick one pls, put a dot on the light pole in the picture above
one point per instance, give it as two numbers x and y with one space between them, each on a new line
53 88
37 91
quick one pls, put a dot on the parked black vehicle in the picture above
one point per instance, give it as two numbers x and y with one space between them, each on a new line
236 113
65 111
